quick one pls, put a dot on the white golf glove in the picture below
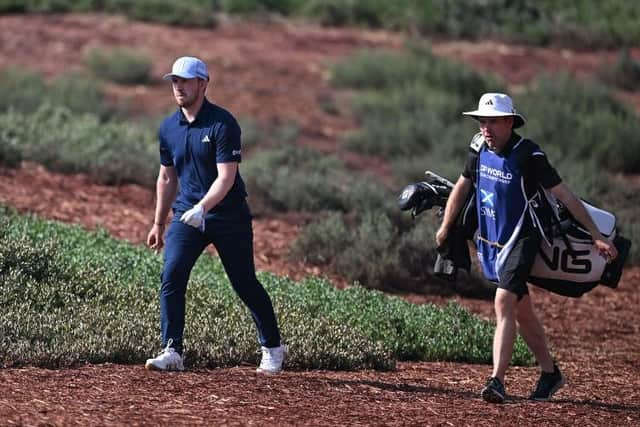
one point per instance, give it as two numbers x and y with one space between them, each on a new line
194 217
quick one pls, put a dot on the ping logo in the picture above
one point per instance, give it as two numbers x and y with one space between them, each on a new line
206 139
563 259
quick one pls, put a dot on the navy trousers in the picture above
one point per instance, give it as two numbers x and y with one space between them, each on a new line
233 241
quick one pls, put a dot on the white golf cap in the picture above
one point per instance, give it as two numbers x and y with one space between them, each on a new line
497 105
188 67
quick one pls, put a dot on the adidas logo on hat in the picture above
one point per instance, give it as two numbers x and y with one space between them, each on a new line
496 105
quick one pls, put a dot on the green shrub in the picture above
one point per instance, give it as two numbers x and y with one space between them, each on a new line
120 65
251 131
248 7
301 179
82 94
379 70
293 178
21 90
68 142
75 91
583 121
184 13
13 6
410 103
72 297
370 257
624 74
323 240
583 24
371 13
10 154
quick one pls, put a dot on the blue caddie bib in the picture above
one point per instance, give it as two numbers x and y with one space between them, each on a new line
501 205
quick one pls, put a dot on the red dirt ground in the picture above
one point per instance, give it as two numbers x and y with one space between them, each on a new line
257 67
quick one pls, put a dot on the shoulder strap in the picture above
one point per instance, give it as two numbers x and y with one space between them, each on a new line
524 149
476 142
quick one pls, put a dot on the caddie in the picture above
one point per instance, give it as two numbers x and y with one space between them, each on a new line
509 172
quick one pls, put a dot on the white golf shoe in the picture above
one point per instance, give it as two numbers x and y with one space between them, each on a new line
272 359
167 360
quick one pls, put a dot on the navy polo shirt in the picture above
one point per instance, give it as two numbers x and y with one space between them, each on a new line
194 149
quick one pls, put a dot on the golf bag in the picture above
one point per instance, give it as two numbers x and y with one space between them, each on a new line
567 264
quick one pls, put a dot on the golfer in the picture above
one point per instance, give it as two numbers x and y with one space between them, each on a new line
199 180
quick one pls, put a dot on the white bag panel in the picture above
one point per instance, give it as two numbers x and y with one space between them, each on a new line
605 221
556 262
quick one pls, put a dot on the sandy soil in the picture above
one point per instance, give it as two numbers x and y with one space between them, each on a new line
256 68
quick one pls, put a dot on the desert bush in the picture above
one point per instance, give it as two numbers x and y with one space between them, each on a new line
583 121
323 240
294 178
370 257
83 94
120 65
185 13
410 103
404 122
251 131
75 91
583 24
21 90
380 70
363 251
372 13
69 142
624 74
360 220
373 250
586 23
76 296
250 7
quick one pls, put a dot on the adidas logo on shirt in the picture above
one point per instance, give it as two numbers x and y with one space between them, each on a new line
206 139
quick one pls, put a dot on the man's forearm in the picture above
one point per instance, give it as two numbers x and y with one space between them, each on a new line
219 188
165 193
580 213
456 201
577 209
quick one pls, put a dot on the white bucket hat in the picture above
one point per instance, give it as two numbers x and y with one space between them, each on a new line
496 105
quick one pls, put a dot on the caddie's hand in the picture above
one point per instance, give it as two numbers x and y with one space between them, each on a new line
441 235
155 239
607 250
194 217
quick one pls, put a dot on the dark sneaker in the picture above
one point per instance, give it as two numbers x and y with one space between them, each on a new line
548 384
493 392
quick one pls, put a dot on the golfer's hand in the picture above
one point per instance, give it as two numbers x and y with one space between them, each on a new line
194 217
155 239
